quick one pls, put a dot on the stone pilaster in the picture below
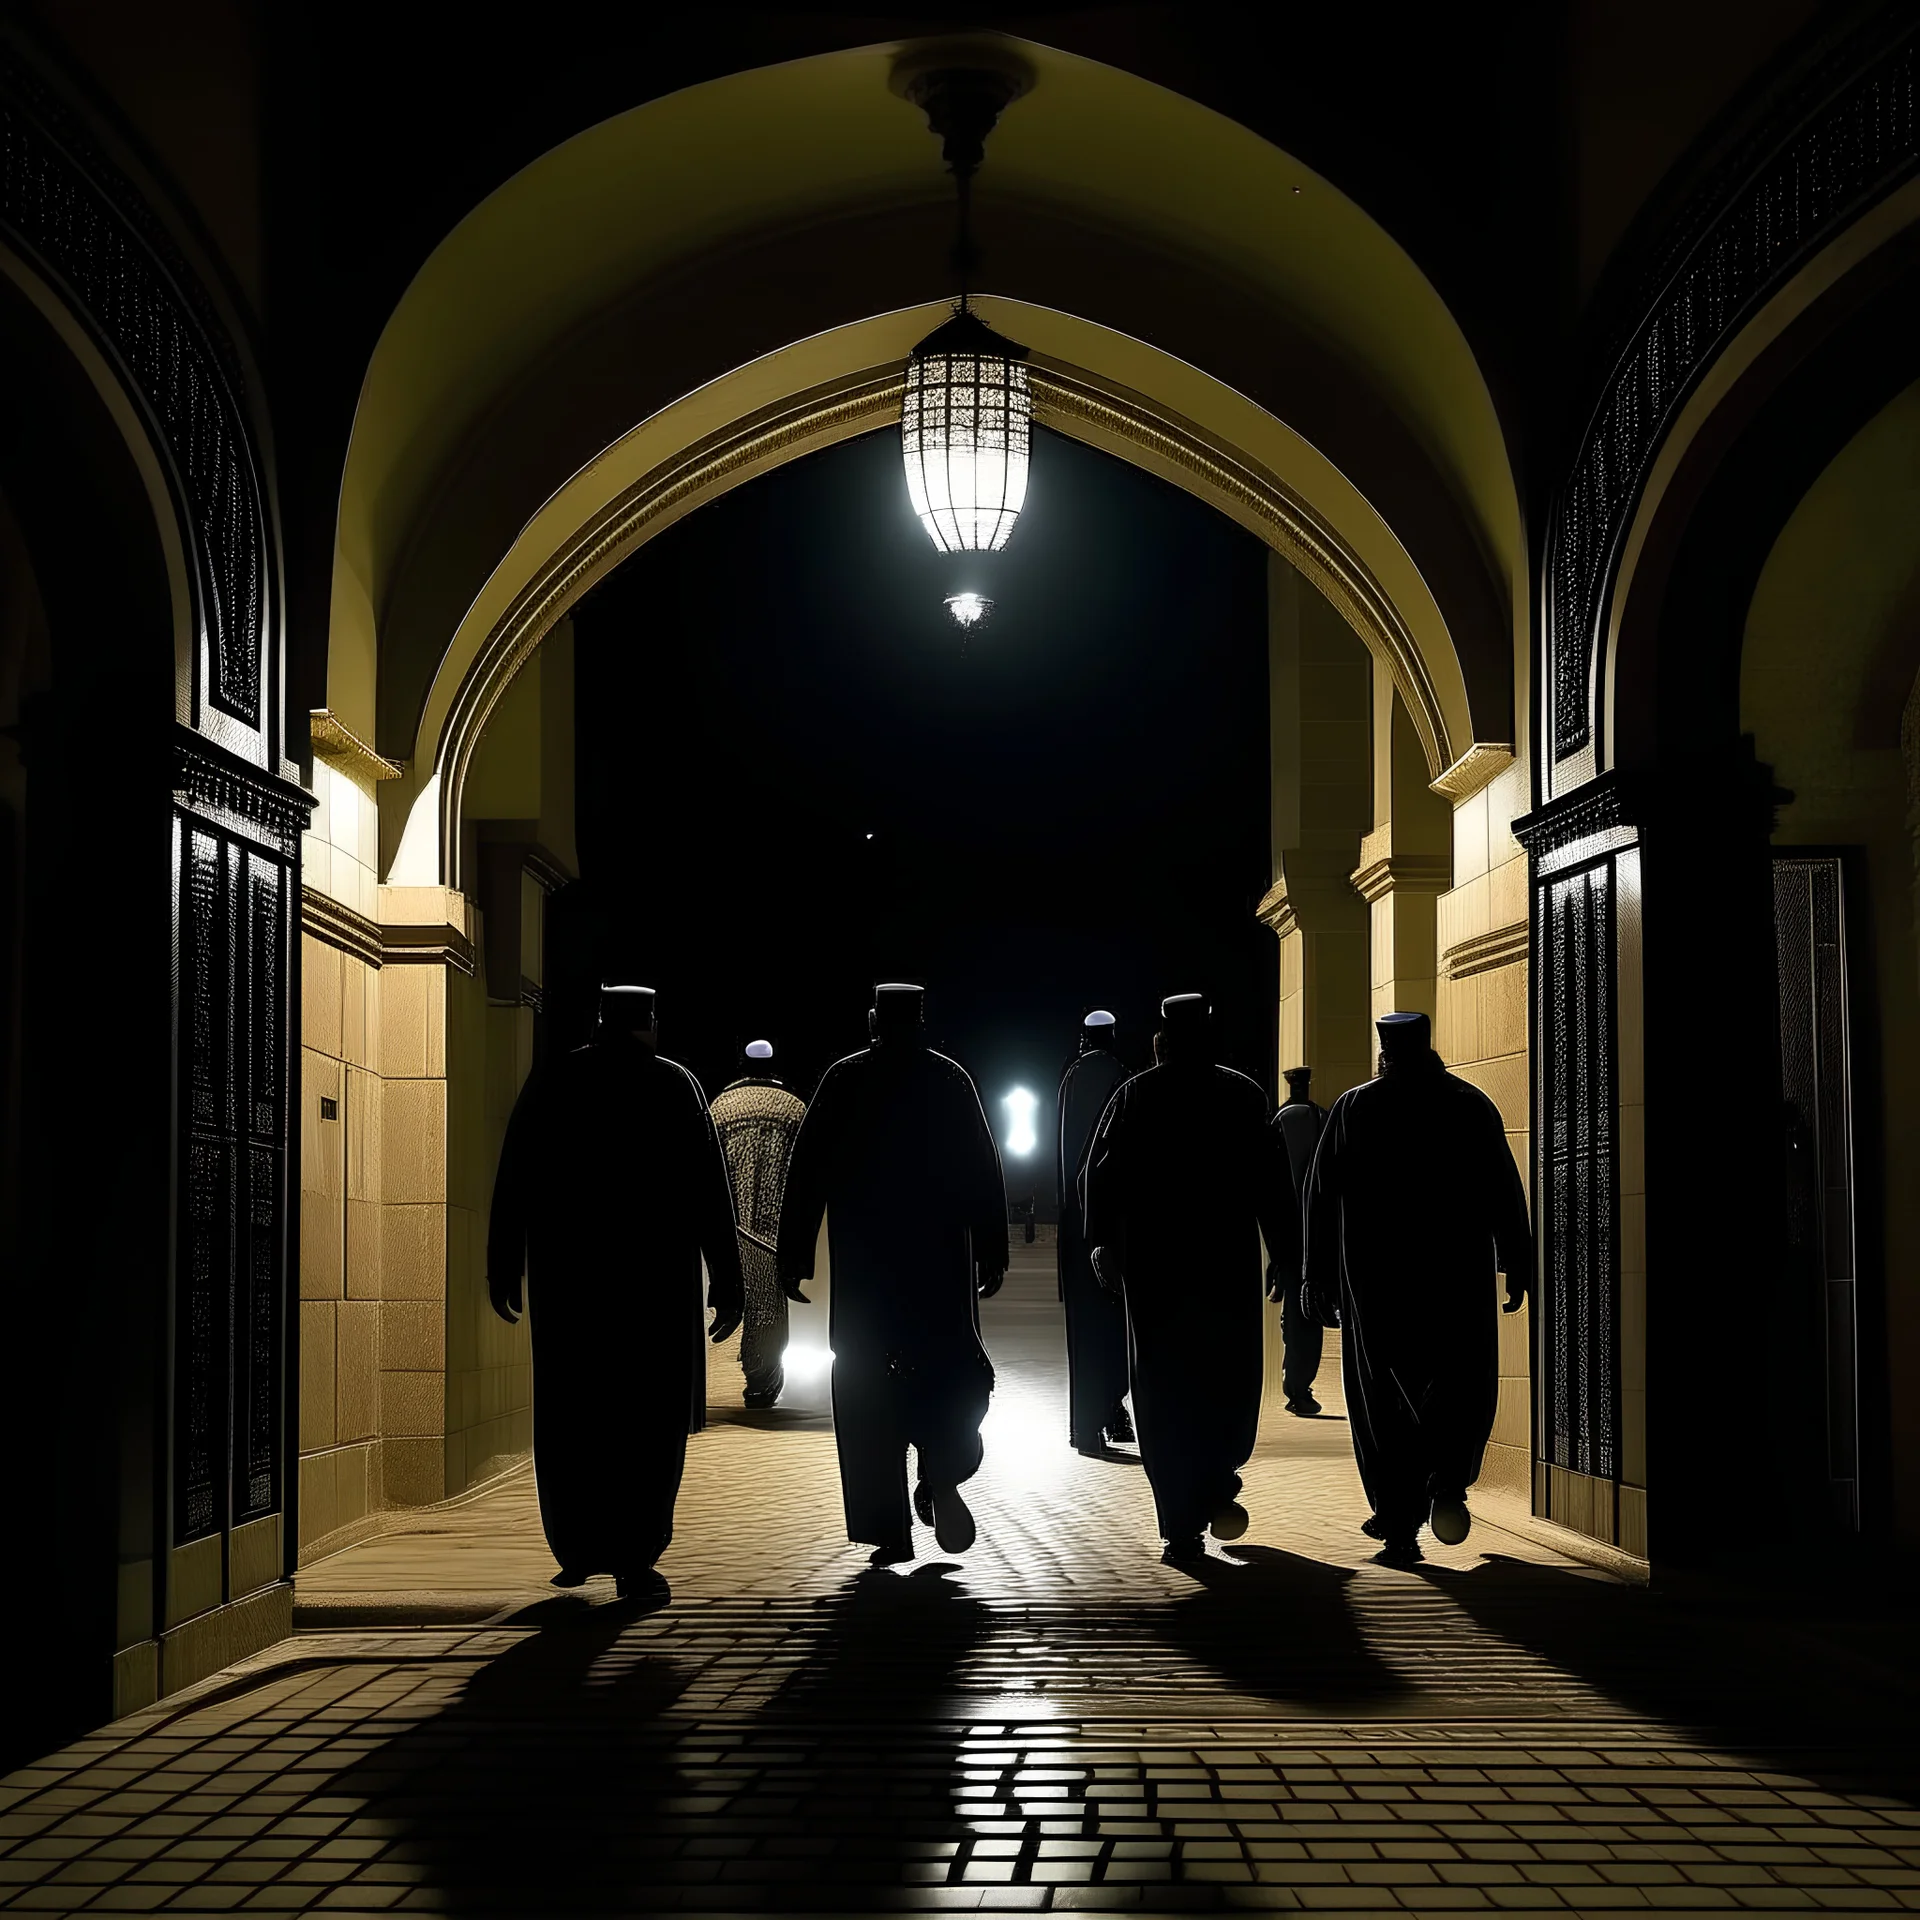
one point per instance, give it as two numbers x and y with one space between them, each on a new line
1405 863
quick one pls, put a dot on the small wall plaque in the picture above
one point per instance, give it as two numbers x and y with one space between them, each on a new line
329 1107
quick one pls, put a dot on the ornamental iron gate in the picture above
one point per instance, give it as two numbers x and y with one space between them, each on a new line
229 1313
1578 1174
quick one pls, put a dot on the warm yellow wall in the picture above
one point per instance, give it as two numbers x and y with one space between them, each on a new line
1480 1029
340 1186
1831 647
410 1388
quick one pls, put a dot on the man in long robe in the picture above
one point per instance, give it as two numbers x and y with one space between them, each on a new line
896 1152
1096 1321
758 1121
1300 1122
611 1190
1413 1204
1184 1178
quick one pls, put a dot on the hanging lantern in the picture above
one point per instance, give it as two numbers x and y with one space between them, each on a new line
964 433
965 423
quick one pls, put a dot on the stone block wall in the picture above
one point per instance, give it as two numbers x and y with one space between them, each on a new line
1480 1029
410 1389
341 1159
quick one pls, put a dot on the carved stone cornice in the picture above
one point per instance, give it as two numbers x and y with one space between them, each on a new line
1383 871
1403 873
339 744
1485 951
1480 766
336 925
1313 893
442 946
1846 136
89 232
1591 820
231 793
1276 910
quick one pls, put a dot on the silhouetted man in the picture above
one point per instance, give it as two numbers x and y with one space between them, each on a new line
896 1151
611 1189
1300 1123
1413 1204
1096 1321
1184 1177
758 1120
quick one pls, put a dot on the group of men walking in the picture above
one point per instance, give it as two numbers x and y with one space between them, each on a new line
1387 1217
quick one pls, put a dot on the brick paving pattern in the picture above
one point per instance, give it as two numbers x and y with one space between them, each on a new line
1058 1722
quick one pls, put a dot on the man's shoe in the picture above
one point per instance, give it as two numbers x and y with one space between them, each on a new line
1450 1520
568 1577
649 1583
1400 1553
952 1520
1120 1426
1302 1406
890 1553
1184 1551
1230 1522
923 1503
1372 1527
761 1396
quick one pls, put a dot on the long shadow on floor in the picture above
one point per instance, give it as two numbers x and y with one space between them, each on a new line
548 1784
878 1736
1278 1628
1742 1669
561 1777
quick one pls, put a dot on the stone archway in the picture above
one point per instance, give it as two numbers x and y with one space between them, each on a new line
581 363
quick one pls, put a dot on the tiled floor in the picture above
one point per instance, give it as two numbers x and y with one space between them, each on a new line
1056 1722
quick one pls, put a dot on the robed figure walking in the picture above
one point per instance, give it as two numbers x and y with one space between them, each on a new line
758 1121
1184 1177
1096 1320
896 1151
1300 1121
1414 1203
611 1191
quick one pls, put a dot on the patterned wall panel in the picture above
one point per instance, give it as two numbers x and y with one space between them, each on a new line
68 209
1845 136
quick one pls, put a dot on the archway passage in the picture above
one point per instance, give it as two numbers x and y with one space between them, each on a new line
797 775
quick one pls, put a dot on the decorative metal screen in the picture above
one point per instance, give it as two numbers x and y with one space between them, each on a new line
1580 1291
1817 1084
230 1273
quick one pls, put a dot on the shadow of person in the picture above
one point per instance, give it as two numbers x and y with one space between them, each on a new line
1278 1628
881 1716
540 1785
1742 1670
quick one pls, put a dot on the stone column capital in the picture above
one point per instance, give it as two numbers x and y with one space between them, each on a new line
1383 870
1313 893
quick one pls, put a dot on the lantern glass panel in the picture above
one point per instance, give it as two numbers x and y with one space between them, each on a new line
965 429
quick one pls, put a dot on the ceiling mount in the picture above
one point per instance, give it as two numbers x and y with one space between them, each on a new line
963 105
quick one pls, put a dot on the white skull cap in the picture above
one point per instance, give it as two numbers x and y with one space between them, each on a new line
1099 1017
759 1049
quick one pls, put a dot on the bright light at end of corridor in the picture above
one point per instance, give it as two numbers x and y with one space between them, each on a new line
1020 1105
806 1363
